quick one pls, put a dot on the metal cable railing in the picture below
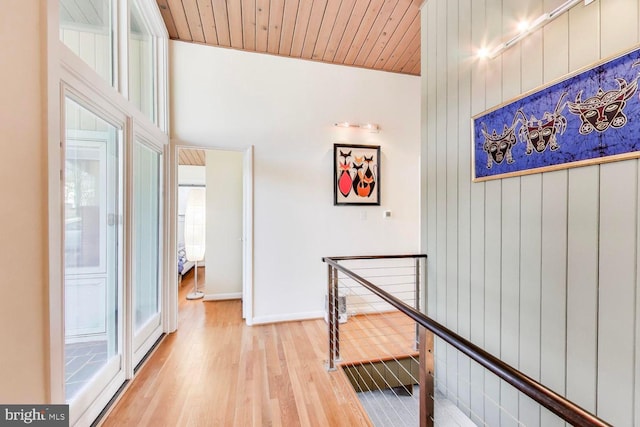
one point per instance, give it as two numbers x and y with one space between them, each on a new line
397 293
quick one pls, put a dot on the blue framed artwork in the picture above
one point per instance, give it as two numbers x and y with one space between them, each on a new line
588 117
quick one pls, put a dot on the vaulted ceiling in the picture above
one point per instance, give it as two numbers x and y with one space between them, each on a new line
376 34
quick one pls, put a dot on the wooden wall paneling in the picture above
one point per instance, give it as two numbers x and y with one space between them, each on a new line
463 303
363 30
180 19
453 139
276 17
530 289
554 290
477 267
302 23
584 46
582 237
234 13
410 24
192 13
346 39
392 33
464 197
87 48
429 18
347 8
619 26
288 26
382 30
511 225
222 22
510 294
208 22
492 285
262 24
103 61
493 228
165 11
71 39
441 193
315 21
425 220
249 24
326 27
582 286
530 236
617 268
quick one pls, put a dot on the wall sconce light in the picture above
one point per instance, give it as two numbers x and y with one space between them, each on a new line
525 28
371 127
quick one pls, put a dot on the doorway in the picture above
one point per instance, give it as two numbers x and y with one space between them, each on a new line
227 176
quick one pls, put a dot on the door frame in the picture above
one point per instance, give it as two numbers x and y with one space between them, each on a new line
247 232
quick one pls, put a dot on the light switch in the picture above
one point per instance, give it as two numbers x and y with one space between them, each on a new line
386 214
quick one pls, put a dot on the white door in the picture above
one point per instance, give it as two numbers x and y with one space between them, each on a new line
147 247
92 256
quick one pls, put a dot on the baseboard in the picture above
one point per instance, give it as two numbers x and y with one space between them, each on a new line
222 297
276 318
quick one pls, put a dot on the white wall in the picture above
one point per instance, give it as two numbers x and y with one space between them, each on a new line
23 211
192 175
224 224
286 108
541 270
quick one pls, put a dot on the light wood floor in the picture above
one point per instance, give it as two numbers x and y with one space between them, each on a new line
215 371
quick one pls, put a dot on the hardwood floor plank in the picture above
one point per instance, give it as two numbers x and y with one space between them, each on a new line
216 371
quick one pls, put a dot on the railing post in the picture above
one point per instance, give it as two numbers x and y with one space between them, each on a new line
417 303
332 317
426 375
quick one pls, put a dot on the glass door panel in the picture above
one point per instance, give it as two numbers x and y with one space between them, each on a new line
92 272
146 241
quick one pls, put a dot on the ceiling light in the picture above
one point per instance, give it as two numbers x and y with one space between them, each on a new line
525 28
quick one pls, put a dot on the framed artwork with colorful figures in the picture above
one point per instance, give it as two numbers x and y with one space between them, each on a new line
588 117
356 174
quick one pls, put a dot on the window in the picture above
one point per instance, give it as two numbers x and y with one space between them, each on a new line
86 28
141 60
107 286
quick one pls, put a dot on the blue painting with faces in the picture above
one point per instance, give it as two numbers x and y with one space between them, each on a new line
585 118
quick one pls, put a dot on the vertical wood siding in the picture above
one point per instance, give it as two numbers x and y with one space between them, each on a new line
540 270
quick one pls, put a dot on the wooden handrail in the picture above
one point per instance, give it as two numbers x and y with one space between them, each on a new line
565 409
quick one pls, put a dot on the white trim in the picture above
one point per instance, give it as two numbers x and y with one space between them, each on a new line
248 249
247 238
222 297
102 399
276 318
146 346
170 303
50 14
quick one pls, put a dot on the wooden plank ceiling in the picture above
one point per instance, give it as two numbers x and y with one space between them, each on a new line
375 34
191 157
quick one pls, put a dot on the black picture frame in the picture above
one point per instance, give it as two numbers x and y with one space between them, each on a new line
356 175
